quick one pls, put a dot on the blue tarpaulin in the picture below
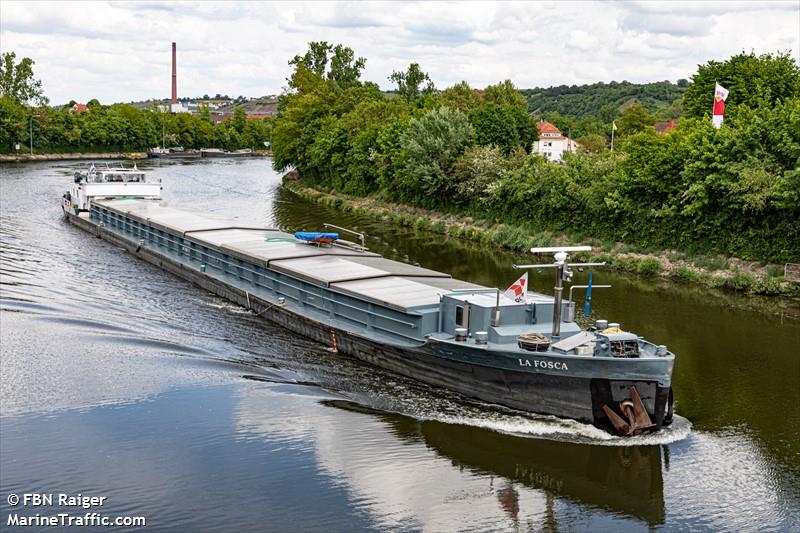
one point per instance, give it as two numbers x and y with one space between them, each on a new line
315 236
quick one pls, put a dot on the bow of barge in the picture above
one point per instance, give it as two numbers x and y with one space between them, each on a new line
529 355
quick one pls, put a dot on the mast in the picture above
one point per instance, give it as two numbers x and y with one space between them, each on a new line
563 273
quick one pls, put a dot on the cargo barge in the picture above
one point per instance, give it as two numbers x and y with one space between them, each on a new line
526 353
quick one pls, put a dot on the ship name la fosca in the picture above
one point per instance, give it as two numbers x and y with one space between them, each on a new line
518 349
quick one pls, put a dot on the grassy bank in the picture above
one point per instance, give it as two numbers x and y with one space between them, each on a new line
711 271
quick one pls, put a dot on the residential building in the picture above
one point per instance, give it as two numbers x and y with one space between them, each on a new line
552 143
664 127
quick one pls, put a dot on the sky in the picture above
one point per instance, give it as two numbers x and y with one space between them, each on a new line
120 51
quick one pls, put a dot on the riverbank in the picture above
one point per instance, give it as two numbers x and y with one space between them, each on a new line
711 271
69 156
16 158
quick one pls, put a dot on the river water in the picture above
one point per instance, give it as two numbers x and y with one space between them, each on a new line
122 381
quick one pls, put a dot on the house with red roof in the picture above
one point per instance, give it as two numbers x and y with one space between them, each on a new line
664 127
552 143
79 108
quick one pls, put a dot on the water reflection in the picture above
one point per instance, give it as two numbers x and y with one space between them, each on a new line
436 476
624 480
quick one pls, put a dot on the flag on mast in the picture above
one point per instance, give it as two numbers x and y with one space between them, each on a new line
720 95
518 289
613 129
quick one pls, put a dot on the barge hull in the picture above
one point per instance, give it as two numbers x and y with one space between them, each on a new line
563 396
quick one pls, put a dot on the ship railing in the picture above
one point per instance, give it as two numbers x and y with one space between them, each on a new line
586 287
791 271
361 236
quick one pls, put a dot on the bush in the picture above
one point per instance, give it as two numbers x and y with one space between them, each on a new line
739 281
432 144
649 266
687 274
732 191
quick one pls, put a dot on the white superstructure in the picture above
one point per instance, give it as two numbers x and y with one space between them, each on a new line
109 182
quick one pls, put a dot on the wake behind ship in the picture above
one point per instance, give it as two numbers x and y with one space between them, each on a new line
526 353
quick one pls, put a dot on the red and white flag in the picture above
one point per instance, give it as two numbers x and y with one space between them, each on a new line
518 289
720 95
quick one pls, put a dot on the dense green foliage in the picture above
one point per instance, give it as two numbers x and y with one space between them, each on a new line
733 191
506 126
121 127
17 82
604 101
356 139
432 144
413 83
754 81
335 63
117 127
635 119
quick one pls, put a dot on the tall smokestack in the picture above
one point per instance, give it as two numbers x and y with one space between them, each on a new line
174 77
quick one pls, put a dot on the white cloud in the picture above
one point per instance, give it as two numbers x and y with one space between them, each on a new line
120 51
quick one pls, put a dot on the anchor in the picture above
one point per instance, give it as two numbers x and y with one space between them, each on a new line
638 419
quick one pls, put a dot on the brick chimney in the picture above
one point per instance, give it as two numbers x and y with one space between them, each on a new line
174 77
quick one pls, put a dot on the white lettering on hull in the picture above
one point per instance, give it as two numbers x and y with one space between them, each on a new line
548 365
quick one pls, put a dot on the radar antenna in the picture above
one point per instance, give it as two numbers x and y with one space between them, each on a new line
563 273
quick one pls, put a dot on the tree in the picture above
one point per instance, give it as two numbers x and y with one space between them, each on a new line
594 142
461 96
479 168
432 144
13 123
205 113
315 59
345 68
411 83
505 93
239 119
752 80
506 126
635 119
17 81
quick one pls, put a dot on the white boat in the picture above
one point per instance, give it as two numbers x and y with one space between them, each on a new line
216 152
108 182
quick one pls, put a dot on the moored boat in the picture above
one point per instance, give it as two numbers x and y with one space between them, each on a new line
175 152
216 152
519 349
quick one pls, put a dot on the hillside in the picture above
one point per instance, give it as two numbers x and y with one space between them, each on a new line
604 100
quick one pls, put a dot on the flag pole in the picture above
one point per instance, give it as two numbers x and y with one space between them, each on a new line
713 100
612 137
587 308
